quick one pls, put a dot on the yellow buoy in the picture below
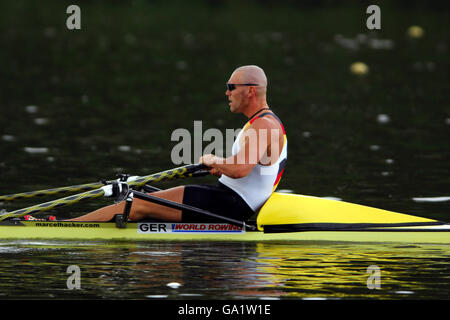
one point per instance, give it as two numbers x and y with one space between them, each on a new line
415 32
359 68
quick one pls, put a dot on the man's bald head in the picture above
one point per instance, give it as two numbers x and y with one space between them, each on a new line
252 74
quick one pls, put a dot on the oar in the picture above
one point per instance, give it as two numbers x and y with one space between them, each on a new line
62 190
49 192
180 172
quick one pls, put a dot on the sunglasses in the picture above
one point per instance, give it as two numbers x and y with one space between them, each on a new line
232 86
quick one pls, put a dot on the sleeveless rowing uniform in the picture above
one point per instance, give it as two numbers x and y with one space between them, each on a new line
236 198
261 182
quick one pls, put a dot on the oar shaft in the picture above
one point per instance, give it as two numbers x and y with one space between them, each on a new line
49 192
180 172
54 204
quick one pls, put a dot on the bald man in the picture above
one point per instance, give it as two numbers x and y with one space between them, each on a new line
247 178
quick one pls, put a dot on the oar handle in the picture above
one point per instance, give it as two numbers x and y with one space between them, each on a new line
196 167
199 170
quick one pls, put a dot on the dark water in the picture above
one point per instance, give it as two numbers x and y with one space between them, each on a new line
80 106
223 271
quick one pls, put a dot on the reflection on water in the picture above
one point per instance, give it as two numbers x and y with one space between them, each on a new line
340 271
190 270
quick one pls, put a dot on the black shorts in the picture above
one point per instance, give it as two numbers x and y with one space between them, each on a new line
218 199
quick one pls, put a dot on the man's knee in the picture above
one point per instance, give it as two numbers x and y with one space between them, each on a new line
137 212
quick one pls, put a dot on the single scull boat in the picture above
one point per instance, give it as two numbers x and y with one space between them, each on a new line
165 231
284 217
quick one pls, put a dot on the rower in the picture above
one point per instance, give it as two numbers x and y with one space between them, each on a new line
247 178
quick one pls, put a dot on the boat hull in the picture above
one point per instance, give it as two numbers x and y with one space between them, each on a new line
163 231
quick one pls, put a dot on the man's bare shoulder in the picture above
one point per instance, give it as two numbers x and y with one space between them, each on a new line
266 122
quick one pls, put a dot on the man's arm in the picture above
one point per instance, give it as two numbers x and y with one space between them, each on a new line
261 144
